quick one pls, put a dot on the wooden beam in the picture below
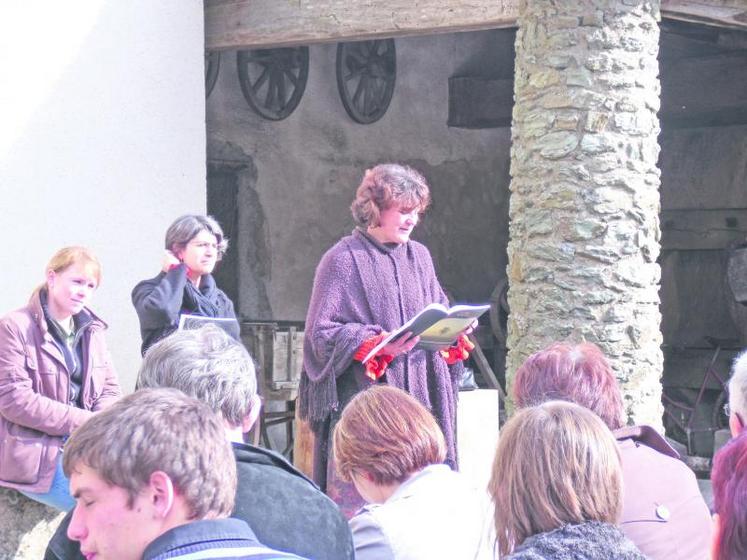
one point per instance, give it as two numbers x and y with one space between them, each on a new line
693 230
719 13
239 24
706 91
231 24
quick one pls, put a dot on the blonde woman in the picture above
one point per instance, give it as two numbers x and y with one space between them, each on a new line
557 487
55 371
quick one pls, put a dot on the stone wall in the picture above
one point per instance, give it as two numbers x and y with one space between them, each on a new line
584 231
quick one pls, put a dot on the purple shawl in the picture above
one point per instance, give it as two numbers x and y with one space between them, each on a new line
362 287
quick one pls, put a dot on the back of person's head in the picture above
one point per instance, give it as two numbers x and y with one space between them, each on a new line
556 464
206 364
576 373
729 478
738 393
159 430
388 434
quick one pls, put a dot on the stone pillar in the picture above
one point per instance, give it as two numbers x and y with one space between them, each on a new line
584 231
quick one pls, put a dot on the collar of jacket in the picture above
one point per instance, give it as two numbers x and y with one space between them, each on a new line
648 437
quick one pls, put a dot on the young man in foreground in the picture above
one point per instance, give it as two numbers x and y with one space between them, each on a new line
154 477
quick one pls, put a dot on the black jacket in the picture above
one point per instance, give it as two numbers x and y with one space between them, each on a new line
284 509
160 301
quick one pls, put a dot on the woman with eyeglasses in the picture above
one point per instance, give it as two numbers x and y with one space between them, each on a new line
185 285
55 372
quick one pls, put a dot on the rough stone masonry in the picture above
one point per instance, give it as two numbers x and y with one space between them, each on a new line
584 230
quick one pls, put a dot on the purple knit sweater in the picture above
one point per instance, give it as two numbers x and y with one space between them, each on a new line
362 288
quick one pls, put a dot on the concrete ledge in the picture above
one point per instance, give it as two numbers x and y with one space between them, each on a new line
25 526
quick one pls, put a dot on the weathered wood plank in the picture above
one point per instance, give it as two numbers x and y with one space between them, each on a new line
480 102
721 13
707 91
231 24
271 23
692 230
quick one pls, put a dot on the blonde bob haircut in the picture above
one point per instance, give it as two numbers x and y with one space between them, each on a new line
387 434
385 186
74 255
556 464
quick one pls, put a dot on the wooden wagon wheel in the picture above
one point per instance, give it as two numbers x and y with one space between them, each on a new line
366 72
273 80
212 66
499 312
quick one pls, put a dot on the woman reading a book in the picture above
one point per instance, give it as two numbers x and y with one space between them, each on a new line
370 283
55 371
185 285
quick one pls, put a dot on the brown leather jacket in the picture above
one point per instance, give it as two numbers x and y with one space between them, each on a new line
35 416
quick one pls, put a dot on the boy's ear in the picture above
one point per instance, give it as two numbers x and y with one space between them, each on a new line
161 493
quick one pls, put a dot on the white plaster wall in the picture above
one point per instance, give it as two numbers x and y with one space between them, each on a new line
102 143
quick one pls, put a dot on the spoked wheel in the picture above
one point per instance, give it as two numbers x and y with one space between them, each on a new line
273 80
366 72
212 66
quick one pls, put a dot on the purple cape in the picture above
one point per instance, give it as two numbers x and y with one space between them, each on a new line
362 288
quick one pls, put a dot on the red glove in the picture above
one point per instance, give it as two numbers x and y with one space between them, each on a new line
460 351
376 366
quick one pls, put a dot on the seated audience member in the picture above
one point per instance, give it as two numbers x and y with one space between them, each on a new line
664 513
391 448
729 478
55 372
284 508
738 395
557 487
154 478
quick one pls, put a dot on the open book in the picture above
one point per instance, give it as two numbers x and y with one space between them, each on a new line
436 325
187 321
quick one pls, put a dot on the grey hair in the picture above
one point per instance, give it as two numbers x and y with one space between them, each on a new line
206 364
738 386
186 227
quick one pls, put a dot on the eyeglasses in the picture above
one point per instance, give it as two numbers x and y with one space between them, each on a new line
727 409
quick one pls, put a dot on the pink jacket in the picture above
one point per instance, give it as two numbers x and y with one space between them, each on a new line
664 513
34 385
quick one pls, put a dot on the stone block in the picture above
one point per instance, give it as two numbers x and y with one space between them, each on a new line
25 526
